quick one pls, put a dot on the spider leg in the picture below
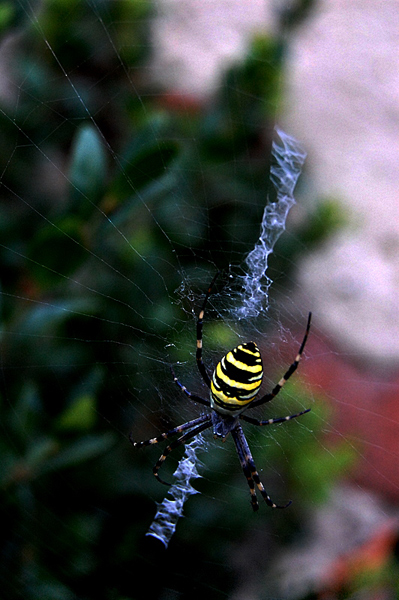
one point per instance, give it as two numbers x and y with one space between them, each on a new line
293 367
247 472
183 388
250 471
168 434
272 421
181 440
198 356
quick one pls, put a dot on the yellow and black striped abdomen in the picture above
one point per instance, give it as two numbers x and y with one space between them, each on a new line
236 379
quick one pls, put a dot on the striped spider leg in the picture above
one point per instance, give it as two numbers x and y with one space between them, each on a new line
195 427
250 471
291 370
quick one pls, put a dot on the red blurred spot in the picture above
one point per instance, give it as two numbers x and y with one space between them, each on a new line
366 414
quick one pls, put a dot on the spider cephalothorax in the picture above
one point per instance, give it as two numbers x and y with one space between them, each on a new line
234 385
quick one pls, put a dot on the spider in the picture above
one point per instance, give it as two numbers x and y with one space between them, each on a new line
234 385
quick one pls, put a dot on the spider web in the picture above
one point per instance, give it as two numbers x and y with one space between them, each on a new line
289 158
122 220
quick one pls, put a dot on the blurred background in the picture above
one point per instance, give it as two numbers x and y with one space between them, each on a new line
135 145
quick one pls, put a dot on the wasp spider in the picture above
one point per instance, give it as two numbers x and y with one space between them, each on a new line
234 385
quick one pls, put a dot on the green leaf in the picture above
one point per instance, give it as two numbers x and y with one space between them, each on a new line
28 409
44 319
57 249
39 452
80 415
84 449
88 169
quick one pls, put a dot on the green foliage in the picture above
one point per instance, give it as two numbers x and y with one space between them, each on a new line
6 15
316 464
327 218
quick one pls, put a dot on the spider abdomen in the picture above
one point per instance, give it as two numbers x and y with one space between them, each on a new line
236 379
